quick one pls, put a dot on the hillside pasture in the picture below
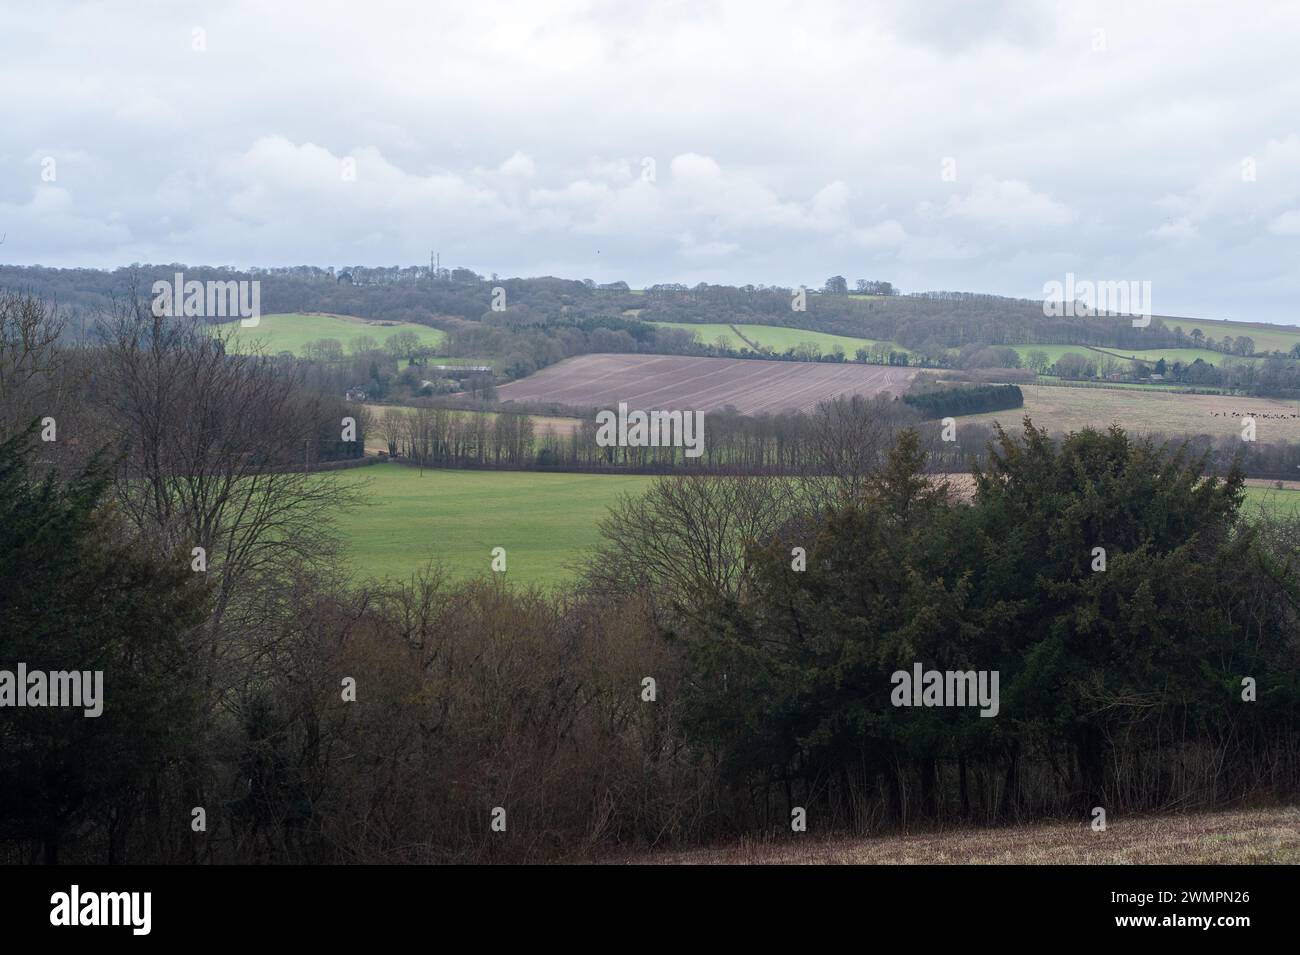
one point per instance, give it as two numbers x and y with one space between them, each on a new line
1054 352
708 333
1266 337
1149 355
290 331
1184 355
777 337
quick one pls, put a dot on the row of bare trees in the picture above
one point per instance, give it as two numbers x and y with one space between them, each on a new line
439 437
846 435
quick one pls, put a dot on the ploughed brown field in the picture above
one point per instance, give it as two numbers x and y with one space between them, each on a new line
648 382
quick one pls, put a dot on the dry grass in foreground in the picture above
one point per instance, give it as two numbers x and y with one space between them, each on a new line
1245 836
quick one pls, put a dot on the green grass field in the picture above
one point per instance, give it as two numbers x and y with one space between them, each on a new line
1053 352
1048 381
1152 355
545 522
707 333
1265 337
1272 501
776 337
291 331
1185 355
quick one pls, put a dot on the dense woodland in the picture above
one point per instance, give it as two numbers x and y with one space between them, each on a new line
974 399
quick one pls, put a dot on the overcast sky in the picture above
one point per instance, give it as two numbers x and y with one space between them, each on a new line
726 142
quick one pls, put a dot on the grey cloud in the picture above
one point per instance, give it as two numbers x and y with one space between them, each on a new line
790 141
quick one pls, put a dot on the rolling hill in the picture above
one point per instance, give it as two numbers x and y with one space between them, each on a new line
777 337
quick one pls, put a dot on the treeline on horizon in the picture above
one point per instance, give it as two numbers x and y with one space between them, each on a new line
547 319
92 370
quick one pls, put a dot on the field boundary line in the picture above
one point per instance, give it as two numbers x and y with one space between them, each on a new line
741 336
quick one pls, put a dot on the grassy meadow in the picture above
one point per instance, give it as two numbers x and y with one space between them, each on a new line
1150 355
1263 498
1266 337
1185 355
545 522
776 337
291 331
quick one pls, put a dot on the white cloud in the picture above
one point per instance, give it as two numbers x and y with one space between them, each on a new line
519 165
1008 205
791 139
705 250
884 235
1288 223
1180 229
50 222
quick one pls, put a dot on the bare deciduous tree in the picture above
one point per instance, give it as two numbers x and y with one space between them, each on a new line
212 449
687 536
29 354
849 440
